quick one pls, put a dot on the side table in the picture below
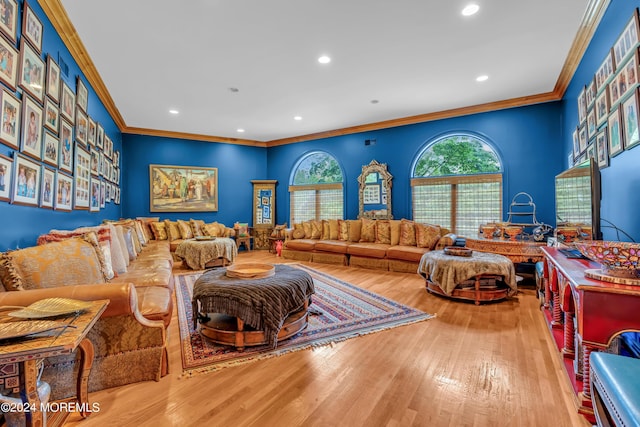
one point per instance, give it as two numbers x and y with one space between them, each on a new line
27 353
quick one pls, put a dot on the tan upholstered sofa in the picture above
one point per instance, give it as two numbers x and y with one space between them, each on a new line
175 232
130 337
394 245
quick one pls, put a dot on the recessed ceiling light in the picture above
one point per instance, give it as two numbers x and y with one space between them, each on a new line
324 59
297 118
234 89
482 78
174 111
240 130
470 9
374 101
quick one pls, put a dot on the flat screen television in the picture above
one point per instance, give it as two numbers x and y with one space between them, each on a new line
578 199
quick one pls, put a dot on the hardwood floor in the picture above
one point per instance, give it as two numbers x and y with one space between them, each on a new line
488 365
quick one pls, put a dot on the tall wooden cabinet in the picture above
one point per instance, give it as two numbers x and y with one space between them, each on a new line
264 212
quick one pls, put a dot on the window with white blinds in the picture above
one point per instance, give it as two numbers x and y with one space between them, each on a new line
316 191
453 184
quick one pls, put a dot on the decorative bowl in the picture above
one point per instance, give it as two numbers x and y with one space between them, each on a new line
513 231
618 259
488 231
250 270
568 234
458 251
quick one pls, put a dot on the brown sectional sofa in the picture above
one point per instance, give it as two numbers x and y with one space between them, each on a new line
394 245
130 337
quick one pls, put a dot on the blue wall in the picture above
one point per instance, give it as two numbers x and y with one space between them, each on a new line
21 225
621 180
527 139
237 166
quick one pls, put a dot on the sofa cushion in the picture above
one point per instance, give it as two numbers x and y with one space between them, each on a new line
355 230
72 261
213 229
146 226
316 229
308 232
406 253
371 250
300 244
335 246
298 233
427 235
154 303
123 244
383 232
368 230
196 226
117 256
343 229
407 233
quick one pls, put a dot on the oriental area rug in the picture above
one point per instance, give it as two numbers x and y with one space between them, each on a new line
339 311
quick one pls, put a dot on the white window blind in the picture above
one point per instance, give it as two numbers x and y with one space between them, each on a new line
318 201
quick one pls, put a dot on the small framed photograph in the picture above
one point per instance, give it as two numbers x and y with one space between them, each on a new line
31 71
9 59
32 27
82 127
605 72
614 92
95 163
582 137
99 136
91 134
576 143
26 181
51 115
64 186
630 119
6 169
591 150
51 149
11 108
108 147
116 158
31 141
591 124
103 194
82 177
117 199
67 103
602 149
615 133
631 71
66 146
47 188
627 40
53 80
582 106
602 107
9 19
82 95
590 93
94 205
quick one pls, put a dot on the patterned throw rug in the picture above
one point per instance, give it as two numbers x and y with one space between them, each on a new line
339 311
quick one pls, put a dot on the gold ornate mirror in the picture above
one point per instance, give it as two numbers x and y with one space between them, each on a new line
374 184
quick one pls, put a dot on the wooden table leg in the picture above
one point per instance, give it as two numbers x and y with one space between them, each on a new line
477 286
29 392
240 335
87 353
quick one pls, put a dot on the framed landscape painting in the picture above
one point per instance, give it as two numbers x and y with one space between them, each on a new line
183 188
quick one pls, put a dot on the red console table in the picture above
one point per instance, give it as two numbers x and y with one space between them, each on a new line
584 315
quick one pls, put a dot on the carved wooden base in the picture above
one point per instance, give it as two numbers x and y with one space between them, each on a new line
229 330
475 294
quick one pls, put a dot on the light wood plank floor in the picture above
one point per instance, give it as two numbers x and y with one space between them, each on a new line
489 365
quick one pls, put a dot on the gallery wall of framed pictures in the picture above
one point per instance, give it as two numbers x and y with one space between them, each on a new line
608 105
58 156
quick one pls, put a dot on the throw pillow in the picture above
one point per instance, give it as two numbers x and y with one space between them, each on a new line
173 232
368 231
316 229
326 230
383 232
185 229
355 229
407 233
123 244
308 233
395 231
333 229
146 226
140 232
343 230
298 233
196 227
427 235
447 240
211 229
128 239
117 258
9 275
159 231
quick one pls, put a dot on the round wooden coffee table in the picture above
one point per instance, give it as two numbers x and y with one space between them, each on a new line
255 311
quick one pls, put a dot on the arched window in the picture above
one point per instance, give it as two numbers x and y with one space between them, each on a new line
316 190
457 183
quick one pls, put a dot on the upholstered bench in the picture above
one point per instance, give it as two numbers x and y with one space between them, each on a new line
615 389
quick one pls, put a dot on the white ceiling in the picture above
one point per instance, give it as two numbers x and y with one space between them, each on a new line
413 56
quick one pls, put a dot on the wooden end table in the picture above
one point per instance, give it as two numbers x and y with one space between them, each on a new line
27 353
